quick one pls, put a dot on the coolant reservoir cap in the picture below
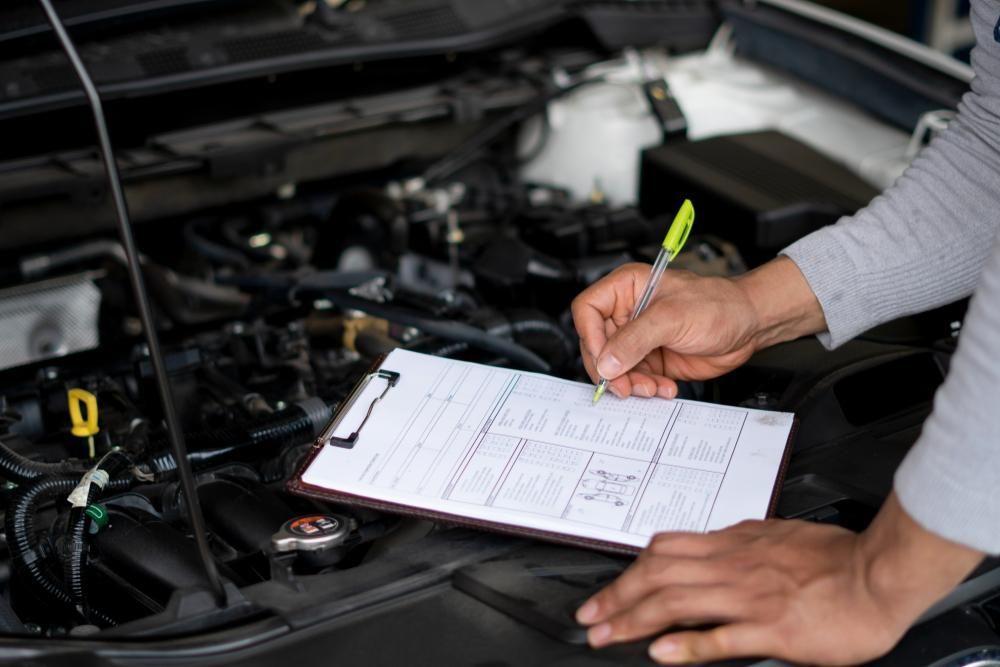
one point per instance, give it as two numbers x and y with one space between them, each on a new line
312 533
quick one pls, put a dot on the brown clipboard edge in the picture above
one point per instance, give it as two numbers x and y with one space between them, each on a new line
779 479
296 486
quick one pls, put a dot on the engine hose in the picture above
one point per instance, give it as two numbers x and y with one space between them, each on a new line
519 327
212 250
293 425
23 543
445 350
447 329
20 469
515 328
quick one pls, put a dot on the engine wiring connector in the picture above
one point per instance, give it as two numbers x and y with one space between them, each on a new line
98 515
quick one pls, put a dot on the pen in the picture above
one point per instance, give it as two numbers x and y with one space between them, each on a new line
672 243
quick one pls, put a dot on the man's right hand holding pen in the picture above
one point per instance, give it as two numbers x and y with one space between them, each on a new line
695 328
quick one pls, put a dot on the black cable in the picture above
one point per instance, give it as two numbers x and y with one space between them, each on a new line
184 473
22 539
294 425
75 557
19 469
75 553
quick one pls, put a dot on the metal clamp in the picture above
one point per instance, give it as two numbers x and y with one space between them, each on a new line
391 378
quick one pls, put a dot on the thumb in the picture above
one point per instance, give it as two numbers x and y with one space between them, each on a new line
630 345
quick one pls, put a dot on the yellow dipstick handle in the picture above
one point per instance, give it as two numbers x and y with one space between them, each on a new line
84 426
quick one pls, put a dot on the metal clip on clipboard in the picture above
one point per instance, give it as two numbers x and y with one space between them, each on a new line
391 378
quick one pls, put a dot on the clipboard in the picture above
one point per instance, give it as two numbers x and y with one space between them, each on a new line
377 373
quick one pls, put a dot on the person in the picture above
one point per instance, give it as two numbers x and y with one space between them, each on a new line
788 589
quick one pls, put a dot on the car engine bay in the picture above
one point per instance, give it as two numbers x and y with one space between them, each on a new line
455 206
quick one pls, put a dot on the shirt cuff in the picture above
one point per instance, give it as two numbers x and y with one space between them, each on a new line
833 278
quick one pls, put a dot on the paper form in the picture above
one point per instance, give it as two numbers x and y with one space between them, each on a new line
533 451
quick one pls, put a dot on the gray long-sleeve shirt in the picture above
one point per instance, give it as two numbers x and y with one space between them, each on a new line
928 240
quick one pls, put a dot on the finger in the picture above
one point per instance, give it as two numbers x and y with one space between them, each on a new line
665 387
739 640
647 574
630 384
652 383
589 318
630 343
642 385
589 364
697 545
668 607
622 387
603 301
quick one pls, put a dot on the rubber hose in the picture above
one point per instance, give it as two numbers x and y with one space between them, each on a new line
446 350
513 328
537 326
212 250
447 329
36 266
312 281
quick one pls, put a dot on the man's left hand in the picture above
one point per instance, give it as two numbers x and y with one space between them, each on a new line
784 589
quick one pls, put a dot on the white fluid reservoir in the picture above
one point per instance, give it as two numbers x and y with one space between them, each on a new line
595 137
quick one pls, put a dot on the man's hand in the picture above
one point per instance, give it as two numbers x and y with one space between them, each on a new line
694 328
784 589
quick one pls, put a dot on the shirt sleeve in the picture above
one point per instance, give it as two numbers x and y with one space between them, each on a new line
950 481
924 242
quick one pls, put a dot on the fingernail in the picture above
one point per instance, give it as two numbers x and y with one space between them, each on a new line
666 392
588 612
665 650
609 366
641 390
599 634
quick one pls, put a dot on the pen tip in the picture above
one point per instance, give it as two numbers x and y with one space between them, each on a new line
598 393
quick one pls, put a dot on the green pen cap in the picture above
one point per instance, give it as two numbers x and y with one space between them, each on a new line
679 231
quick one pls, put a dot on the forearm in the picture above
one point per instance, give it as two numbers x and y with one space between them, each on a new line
909 567
785 305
